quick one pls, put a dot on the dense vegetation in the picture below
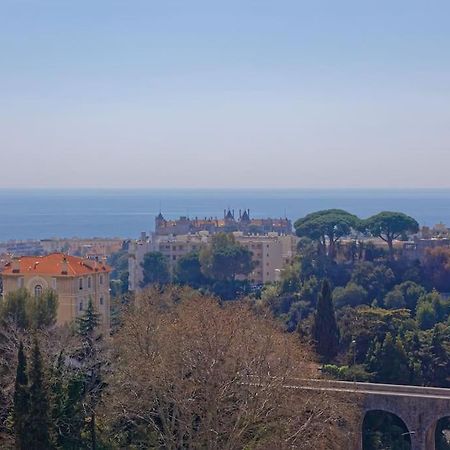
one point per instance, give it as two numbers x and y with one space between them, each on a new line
182 371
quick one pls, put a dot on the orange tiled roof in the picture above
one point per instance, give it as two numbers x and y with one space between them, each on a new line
54 264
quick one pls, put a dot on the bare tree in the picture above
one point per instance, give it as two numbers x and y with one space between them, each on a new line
189 373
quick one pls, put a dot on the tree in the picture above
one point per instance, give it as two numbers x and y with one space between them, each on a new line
430 310
14 308
325 331
21 402
26 311
411 293
376 279
436 267
188 270
155 269
326 227
225 258
190 373
39 422
41 310
91 366
389 226
389 361
440 358
394 299
350 295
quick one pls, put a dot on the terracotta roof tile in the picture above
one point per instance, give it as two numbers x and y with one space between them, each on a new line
54 264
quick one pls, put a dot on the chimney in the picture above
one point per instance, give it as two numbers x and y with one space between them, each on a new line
15 265
64 266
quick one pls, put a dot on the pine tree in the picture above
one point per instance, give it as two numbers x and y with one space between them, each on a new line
390 362
39 423
325 331
91 366
440 361
21 402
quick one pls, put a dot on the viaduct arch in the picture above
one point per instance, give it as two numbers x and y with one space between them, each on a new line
420 408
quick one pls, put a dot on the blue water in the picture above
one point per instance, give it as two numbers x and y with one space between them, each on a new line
38 214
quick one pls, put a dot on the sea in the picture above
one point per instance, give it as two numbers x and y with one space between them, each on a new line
125 213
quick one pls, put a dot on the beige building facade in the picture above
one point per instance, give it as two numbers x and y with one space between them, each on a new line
75 280
270 253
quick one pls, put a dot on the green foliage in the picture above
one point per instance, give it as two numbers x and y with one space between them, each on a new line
30 312
188 271
66 395
389 226
42 310
425 315
21 402
290 279
155 269
225 258
385 431
437 268
394 299
350 295
411 292
346 373
326 226
88 323
431 308
14 308
325 332
119 275
376 279
39 423
388 361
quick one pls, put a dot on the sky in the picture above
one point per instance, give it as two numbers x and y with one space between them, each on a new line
217 94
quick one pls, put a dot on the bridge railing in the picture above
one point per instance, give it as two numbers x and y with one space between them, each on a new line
370 387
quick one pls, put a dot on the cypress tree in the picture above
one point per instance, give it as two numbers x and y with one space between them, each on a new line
325 331
93 384
39 423
21 402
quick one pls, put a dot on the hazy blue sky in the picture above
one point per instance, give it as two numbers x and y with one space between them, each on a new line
225 93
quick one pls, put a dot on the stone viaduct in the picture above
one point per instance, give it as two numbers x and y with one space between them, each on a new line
420 408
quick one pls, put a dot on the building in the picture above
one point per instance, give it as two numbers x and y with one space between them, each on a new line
228 223
172 247
270 253
75 280
418 248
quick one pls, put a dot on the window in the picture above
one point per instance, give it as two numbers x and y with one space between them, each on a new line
81 306
37 290
80 283
101 279
89 282
101 300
